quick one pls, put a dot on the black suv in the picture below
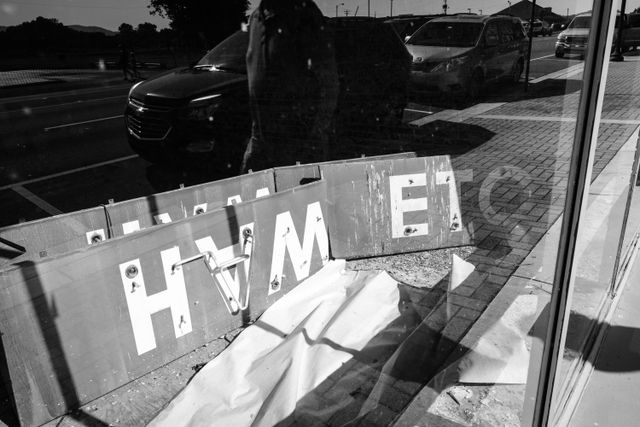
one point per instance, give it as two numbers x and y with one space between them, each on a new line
201 113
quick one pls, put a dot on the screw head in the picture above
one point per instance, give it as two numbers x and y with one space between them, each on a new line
131 271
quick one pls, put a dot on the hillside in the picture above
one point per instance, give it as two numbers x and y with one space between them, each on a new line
92 29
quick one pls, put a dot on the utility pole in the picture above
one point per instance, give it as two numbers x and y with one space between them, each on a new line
528 64
480 10
444 6
617 56
469 10
509 7
391 10
368 7
347 12
339 4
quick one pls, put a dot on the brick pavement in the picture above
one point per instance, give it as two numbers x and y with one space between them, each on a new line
517 194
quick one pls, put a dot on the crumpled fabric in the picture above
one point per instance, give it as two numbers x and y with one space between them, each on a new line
294 346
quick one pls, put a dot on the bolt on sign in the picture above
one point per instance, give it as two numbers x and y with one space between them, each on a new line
77 326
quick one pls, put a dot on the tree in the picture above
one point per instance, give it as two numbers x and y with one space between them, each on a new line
207 20
147 29
125 29
126 33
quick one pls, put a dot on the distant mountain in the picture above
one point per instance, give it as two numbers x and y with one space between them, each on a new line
86 29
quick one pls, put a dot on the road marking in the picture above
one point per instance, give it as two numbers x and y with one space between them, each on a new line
59 174
42 204
457 116
565 72
542 57
418 111
82 123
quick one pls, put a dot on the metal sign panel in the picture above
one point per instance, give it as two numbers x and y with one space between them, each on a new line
52 236
395 206
137 214
291 176
80 325
64 233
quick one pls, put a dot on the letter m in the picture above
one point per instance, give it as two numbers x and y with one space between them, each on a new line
286 239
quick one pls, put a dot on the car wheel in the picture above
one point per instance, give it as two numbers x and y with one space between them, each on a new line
476 83
516 71
559 53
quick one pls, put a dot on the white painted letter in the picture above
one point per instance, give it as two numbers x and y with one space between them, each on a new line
142 306
399 205
131 227
286 239
163 218
260 192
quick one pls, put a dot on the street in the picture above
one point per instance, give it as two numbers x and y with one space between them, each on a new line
66 151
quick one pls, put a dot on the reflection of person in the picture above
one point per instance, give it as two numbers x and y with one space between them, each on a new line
293 84
124 62
132 64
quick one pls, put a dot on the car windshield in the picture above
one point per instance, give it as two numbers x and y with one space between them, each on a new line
451 34
229 55
581 22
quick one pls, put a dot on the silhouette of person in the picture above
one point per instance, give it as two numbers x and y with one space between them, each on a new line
124 62
133 65
293 84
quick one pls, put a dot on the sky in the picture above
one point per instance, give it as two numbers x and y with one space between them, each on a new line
110 14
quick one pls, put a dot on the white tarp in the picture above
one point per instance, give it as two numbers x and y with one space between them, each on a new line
294 346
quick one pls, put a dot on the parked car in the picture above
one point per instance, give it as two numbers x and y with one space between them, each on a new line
202 112
460 54
548 28
575 37
538 28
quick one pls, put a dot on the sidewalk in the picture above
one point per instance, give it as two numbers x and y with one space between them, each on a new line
615 380
516 197
28 82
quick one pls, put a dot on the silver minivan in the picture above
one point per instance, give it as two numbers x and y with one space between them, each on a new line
461 53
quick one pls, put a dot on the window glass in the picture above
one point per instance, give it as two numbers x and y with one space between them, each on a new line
605 256
506 32
238 150
491 35
451 34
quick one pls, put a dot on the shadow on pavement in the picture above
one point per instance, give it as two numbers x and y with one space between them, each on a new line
500 92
